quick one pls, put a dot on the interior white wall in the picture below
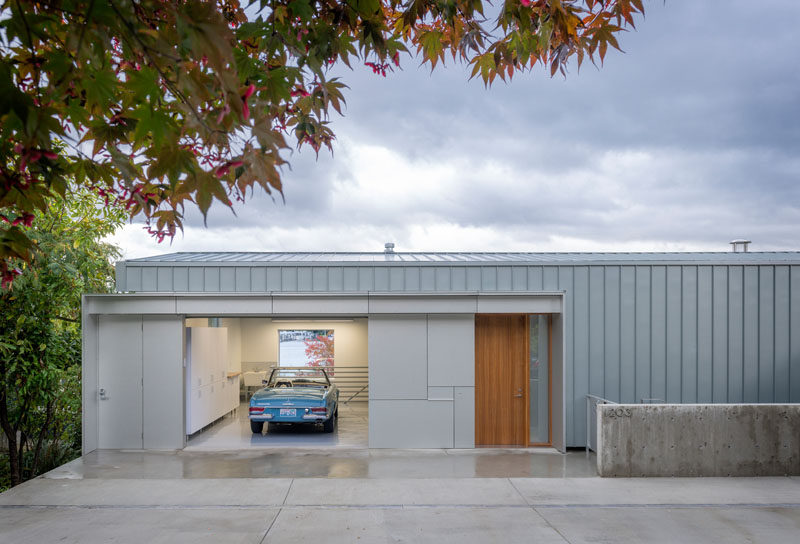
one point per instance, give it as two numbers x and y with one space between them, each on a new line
259 340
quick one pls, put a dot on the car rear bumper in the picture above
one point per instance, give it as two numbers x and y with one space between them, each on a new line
301 416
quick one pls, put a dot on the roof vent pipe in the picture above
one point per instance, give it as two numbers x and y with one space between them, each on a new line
740 244
388 247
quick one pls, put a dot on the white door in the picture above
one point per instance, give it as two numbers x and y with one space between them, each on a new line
120 382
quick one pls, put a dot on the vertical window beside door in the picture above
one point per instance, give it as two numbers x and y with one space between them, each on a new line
539 376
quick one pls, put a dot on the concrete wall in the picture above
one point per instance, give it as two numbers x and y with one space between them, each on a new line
422 381
698 440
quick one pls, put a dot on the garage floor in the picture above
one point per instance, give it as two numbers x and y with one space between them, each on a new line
233 433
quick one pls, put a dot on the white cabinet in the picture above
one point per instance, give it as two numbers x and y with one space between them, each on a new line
210 394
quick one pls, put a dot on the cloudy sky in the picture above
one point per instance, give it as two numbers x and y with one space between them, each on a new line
688 140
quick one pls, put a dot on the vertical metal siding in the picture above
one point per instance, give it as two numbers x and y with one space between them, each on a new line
304 279
411 278
288 278
258 279
597 332
612 360
535 278
719 348
180 279
794 334
351 278
365 279
504 278
335 279
581 348
443 279
689 335
704 334
627 334
319 278
381 279
519 278
227 279
459 279
782 334
735 333
673 334
396 276
642 297
149 278
489 278
564 278
473 279
658 334
196 279
766 334
750 336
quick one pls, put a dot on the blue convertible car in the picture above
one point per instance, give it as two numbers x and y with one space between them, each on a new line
295 395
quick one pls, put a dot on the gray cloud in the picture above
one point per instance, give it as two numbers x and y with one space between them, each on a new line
686 141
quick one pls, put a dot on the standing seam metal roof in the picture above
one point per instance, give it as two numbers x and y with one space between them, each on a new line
468 257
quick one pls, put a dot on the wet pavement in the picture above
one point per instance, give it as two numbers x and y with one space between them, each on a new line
300 486
335 463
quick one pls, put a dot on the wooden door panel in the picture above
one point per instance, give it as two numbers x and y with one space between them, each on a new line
500 380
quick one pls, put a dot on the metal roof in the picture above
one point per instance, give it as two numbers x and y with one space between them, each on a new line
775 257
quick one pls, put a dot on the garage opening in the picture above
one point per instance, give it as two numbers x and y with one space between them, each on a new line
229 359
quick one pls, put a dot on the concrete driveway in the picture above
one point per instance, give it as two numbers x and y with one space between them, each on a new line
386 496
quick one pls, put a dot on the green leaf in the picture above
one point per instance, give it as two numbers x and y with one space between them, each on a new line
302 9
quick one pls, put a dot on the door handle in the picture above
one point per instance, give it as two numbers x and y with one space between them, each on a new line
103 395
519 393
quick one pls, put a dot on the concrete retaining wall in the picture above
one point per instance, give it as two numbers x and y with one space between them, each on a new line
698 440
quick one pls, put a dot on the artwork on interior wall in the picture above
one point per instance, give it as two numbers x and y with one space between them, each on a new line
305 347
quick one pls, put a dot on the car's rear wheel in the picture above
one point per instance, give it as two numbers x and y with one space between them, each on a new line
328 424
256 426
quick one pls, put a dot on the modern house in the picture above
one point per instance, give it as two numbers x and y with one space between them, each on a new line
462 349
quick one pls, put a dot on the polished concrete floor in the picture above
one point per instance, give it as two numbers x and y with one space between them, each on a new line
232 432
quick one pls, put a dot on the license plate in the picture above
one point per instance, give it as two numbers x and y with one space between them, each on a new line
290 412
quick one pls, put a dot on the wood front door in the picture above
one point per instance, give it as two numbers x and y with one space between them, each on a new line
501 377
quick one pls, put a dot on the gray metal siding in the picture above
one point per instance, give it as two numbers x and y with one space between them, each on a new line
681 334
676 331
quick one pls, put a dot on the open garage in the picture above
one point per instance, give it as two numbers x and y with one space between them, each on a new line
229 359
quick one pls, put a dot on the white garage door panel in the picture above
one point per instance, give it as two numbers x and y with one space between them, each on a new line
398 359
162 362
451 350
410 424
120 375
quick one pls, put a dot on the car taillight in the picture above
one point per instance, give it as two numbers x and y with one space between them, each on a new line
256 410
319 410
